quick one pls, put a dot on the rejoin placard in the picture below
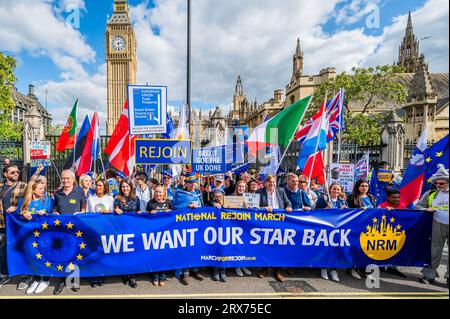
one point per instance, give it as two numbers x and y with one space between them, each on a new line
163 151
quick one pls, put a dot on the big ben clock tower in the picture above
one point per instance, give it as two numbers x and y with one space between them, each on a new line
121 61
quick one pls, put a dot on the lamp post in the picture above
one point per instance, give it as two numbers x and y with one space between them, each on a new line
188 84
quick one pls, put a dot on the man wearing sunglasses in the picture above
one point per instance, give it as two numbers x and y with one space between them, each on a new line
10 192
436 202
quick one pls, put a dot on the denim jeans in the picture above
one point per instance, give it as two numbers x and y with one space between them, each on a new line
180 272
3 264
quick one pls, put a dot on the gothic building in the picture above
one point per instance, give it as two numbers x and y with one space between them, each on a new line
427 103
121 61
26 104
302 85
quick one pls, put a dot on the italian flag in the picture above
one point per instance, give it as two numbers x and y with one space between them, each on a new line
67 138
280 129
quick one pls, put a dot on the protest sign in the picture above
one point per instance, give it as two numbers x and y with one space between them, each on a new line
252 200
170 152
209 161
233 202
147 106
343 174
40 153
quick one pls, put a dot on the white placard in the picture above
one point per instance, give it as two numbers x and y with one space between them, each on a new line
252 200
343 174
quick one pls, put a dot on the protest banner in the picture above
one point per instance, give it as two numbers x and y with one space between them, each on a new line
233 202
147 107
252 200
108 245
344 174
169 152
40 153
209 161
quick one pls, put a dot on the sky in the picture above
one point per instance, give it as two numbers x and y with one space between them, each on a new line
60 45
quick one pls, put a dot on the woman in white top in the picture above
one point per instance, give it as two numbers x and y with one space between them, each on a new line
101 201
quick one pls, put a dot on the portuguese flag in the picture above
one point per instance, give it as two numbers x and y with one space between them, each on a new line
280 129
67 138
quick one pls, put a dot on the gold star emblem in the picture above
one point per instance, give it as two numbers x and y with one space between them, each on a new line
57 222
375 220
439 154
79 257
82 246
36 233
392 219
79 234
71 266
429 180
35 245
44 226
48 264
59 267
69 225
368 227
398 227
429 160
38 256
384 217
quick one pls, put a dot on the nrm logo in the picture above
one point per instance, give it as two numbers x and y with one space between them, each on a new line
383 239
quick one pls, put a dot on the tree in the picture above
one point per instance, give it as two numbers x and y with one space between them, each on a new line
369 88
8 130
54 129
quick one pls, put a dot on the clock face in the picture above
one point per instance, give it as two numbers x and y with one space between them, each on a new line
118 43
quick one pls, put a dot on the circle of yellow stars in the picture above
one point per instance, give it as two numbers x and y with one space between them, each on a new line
58 223
429 160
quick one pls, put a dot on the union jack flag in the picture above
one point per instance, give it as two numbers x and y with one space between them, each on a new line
335 115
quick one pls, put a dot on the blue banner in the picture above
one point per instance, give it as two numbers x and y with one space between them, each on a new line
109 244
153 151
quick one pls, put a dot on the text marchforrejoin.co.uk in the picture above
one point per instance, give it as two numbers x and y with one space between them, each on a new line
100 244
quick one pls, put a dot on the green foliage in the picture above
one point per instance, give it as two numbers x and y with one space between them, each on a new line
8 130
368 88
54 129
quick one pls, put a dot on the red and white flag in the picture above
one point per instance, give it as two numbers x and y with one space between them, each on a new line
121 145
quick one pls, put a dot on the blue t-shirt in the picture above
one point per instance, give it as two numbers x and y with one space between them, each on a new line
366 202
36 206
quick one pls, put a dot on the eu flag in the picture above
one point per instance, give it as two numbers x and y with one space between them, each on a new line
436 154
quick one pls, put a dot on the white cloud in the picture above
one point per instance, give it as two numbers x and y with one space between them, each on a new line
255 39
429 20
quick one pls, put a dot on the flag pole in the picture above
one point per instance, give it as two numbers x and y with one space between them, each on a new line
318 140
340 127
76 137
295 132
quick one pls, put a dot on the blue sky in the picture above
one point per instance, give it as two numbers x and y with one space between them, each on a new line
253 38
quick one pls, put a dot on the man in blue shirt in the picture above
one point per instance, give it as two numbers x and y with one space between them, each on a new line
69 199
297 196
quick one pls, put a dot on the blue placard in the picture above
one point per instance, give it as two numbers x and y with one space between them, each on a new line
168 152
209 161
147 107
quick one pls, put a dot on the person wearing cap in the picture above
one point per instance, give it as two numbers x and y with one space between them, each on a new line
167 183
189 197
436 202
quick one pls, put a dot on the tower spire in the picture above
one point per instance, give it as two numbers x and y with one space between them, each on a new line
239 87
299 49
408 56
